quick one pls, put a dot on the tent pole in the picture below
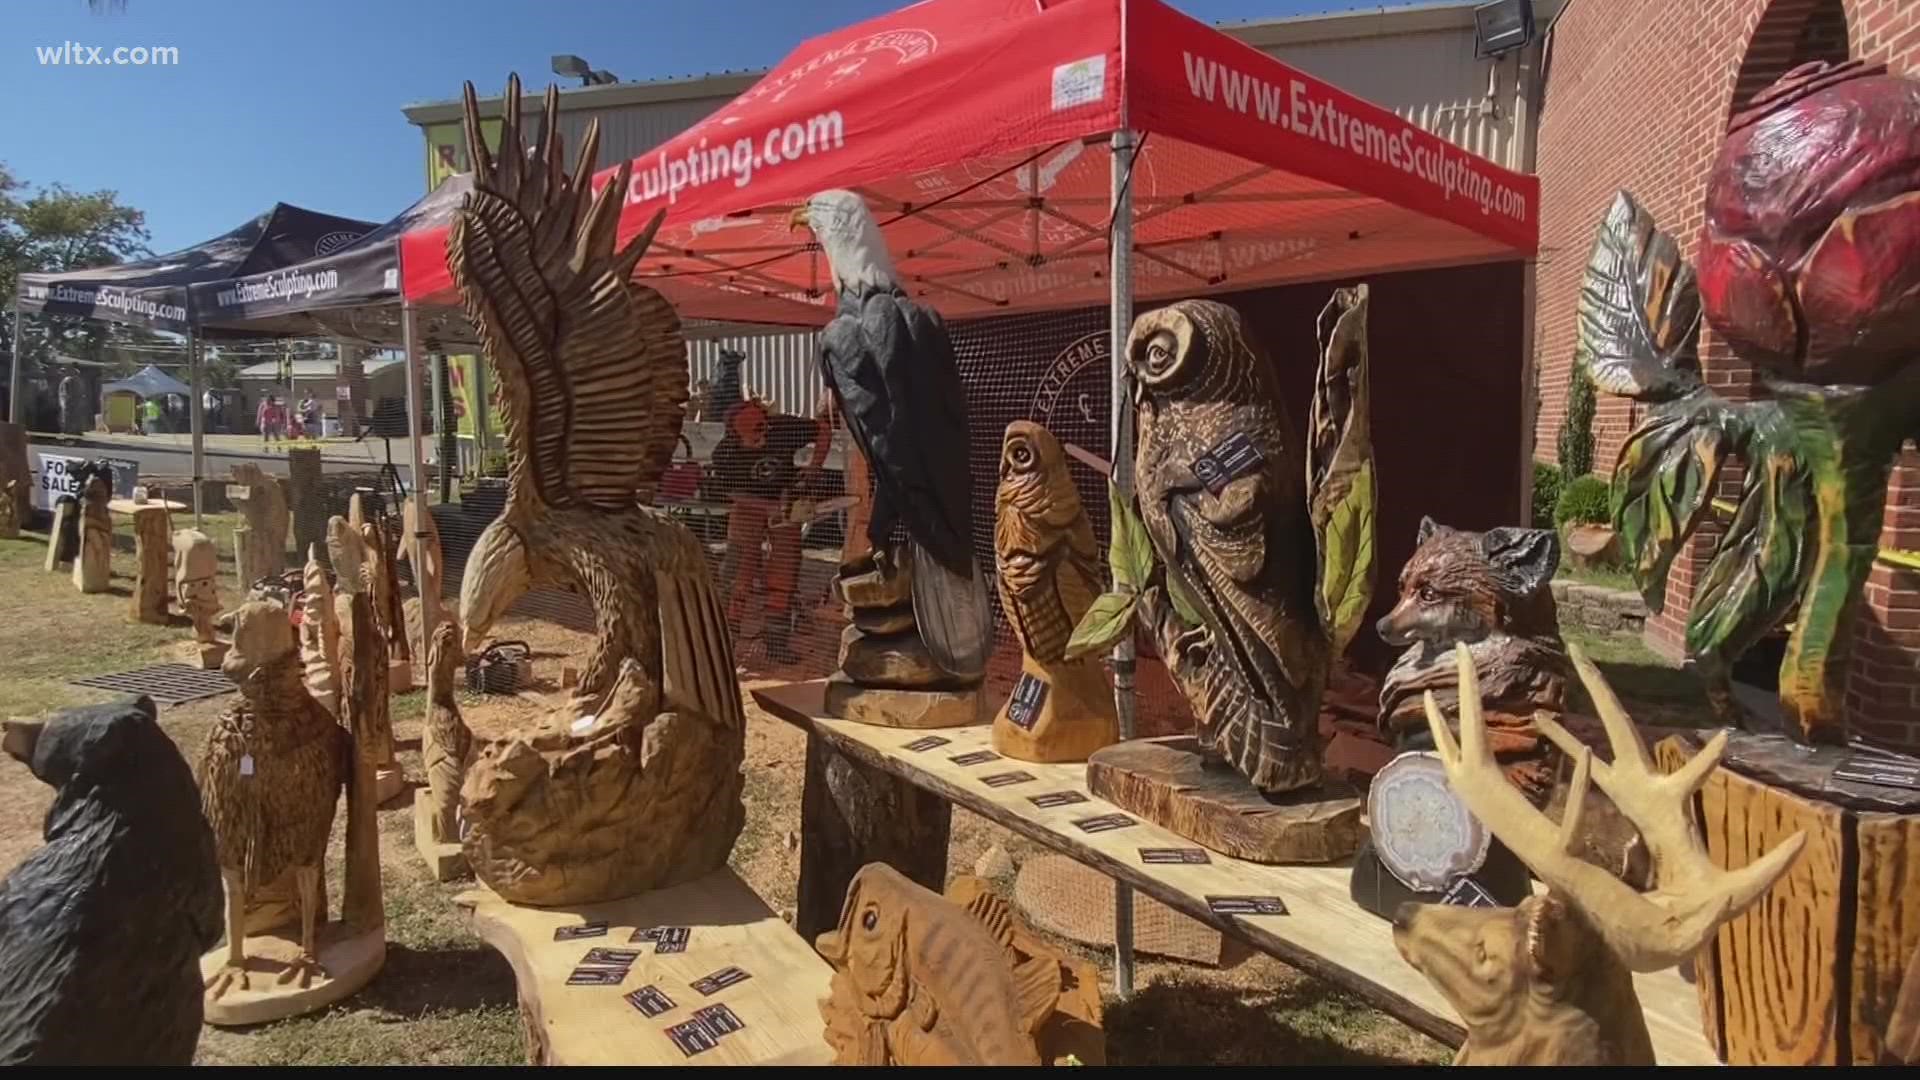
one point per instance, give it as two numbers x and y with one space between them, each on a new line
429 600
197 418
1120 321
13 375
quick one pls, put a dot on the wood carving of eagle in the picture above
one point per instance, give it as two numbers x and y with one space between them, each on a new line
593 379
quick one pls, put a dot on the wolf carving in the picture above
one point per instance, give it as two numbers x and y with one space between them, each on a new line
1492 592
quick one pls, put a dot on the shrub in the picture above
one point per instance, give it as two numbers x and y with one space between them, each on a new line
1576 428
1584 500
1546 493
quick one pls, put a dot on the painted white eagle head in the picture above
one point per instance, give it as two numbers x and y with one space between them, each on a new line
856 252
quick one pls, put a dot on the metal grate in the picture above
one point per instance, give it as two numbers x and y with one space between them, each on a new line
166 684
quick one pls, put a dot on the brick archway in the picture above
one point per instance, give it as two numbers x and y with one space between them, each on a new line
1789 33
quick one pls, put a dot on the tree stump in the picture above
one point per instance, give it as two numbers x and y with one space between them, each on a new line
852 815
1812 974
152 551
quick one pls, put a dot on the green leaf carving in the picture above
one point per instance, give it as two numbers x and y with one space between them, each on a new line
1756 572
1664 480
1184 605
1346 560
1340 488
1130 555
1105 623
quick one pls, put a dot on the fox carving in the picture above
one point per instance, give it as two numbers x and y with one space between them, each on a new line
1490 591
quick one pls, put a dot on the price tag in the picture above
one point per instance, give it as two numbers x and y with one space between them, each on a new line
246 764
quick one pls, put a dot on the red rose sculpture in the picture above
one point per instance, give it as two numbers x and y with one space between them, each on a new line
1810 259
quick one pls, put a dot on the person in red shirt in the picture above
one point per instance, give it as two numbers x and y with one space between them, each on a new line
754 468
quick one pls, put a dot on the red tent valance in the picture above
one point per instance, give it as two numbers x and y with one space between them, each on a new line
977 130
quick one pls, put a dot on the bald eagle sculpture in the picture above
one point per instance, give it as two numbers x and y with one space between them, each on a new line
891 369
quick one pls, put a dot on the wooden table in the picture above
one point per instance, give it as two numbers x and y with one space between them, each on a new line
1324 932
128 506
729 925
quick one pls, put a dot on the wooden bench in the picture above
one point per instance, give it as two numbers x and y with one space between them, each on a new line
779 1003
1324 933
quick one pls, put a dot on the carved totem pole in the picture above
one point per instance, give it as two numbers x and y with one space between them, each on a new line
1264 570
93 561
1049 575
9 510
196 588
260 541
635 783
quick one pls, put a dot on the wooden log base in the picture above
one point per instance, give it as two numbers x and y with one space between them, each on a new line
1075 714
445 861
728 926
1813 973
885 707
350 961
1072 900
1167 782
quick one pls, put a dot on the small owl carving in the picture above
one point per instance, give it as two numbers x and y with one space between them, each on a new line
1221 480
1048 562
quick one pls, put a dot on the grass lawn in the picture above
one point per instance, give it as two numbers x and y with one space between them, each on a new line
444 998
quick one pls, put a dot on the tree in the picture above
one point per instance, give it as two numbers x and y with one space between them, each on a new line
52 229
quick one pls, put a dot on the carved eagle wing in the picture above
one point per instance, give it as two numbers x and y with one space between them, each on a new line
592 367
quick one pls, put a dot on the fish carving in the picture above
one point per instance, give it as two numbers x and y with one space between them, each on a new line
919 980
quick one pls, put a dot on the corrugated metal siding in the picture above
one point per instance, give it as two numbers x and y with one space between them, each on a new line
779 368
631 131
1431 78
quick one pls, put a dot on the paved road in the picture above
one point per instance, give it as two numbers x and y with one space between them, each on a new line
165 455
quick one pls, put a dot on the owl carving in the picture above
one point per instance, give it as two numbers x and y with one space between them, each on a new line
1231 501
1043 546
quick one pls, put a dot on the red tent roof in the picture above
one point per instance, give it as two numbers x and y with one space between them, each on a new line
976 129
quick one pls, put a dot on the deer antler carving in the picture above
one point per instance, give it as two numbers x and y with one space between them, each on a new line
1649 931
1549 982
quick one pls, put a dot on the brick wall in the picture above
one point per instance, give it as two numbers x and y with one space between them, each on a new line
1638 94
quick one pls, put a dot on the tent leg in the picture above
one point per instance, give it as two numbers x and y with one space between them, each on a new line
13 375
198 417
429 598
1120 321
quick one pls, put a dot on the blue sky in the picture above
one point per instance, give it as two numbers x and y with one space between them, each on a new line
274 100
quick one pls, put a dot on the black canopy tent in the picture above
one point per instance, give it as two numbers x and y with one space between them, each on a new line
351 291
156 292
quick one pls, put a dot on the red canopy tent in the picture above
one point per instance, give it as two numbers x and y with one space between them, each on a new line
978 128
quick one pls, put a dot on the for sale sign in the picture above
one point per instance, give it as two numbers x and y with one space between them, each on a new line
56 478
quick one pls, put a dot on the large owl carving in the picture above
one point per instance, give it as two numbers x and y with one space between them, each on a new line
1255 532
1048 562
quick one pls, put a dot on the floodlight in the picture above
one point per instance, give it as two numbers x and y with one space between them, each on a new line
1502 26
571 66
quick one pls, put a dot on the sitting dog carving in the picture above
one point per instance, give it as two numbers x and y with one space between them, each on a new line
1550 982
